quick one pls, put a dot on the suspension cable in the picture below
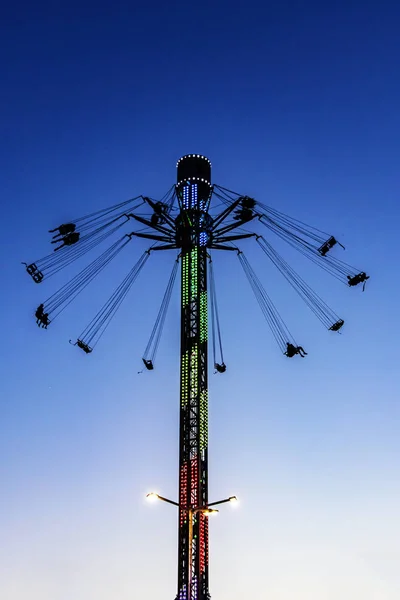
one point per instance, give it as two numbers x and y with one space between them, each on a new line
52 264
300 236
278 218
215 325
155 336
335 267
169 198
278 327
99 214
100 229
300 227
322 311
311 242
93 332
58 302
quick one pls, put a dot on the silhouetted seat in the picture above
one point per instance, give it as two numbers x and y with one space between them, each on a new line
336 326
326 246
37 277
220 368
87 349
148 364
356 279
31 269
34 272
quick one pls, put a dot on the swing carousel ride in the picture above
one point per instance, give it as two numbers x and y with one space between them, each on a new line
194 219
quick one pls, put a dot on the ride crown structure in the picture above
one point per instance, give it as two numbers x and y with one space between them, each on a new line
194 218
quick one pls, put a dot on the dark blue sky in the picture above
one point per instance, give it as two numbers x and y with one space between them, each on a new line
296 104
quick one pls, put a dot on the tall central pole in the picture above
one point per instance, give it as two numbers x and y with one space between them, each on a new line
193 227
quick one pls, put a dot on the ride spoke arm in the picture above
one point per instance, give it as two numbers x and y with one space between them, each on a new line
151 225
226 212
231 238
165 247
165 214
150 236
221 247
232 226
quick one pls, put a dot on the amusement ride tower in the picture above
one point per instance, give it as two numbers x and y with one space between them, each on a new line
193 228
185 220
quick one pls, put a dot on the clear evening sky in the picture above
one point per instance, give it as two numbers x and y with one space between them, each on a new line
296 104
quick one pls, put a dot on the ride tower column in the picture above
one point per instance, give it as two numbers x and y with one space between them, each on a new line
193 233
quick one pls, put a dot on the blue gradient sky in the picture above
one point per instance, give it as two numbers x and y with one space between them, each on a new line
297 105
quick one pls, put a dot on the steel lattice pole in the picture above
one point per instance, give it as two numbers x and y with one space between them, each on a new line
192 227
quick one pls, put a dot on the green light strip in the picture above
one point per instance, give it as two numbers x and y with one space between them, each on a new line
185 279
194 278
185 379
203 420
203 317
194 371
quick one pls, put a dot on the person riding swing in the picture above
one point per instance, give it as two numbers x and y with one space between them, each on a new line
42 318
39 314
292 350
148 364
68 240
63 229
